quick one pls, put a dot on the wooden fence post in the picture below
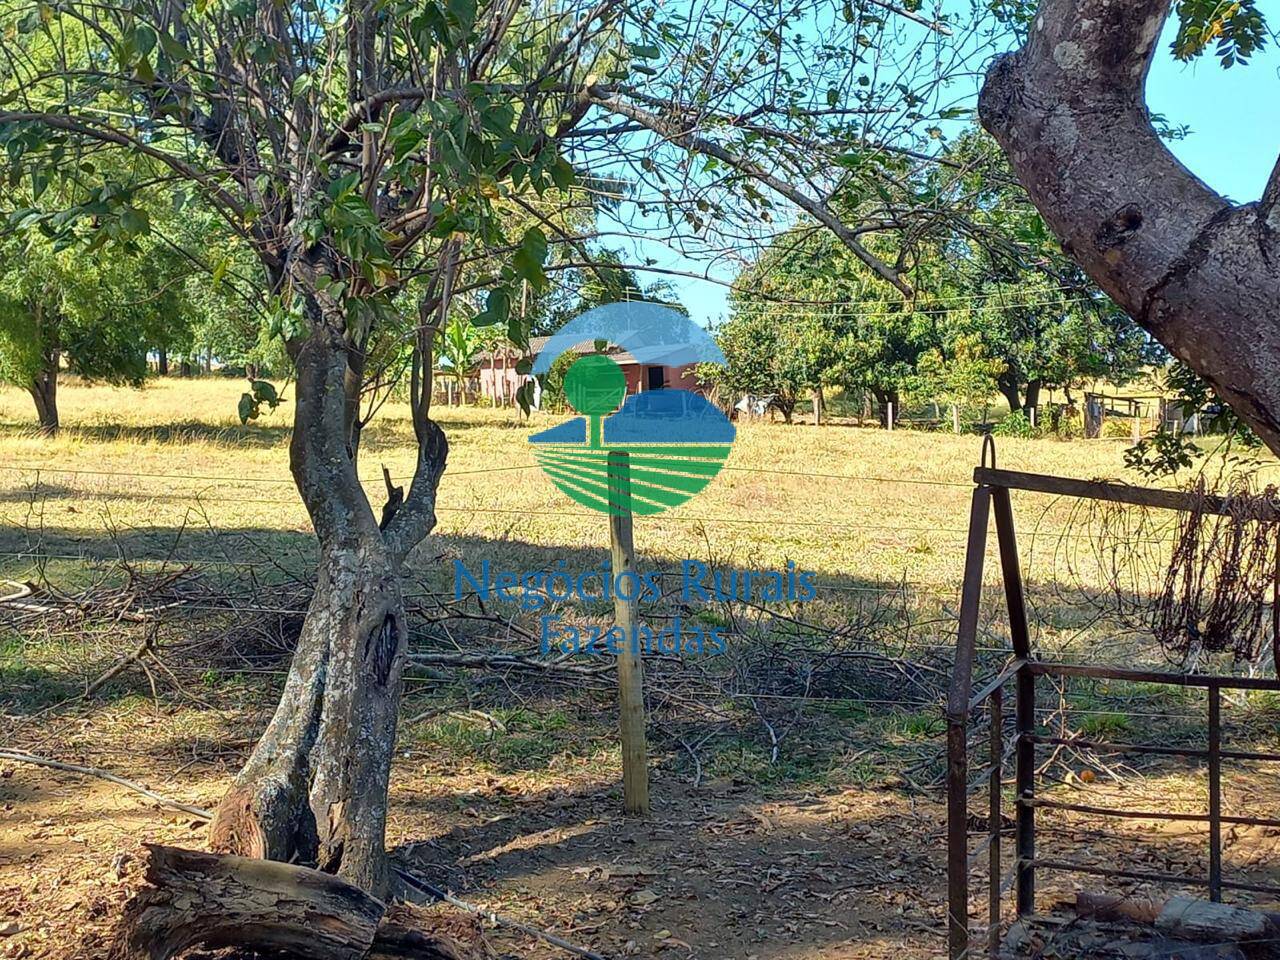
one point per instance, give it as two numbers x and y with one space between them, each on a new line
635 752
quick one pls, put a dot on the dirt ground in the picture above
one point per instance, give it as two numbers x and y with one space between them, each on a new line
722 870
716 872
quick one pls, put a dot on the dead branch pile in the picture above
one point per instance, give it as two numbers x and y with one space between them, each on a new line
1199 582
1220 576
176 624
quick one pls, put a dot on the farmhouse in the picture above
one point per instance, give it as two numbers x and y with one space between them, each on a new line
499 379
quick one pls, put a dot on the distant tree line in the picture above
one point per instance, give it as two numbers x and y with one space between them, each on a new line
999 309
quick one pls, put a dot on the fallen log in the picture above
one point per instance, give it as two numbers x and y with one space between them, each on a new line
185 898
1207 921
1186 917
1107 906
387 940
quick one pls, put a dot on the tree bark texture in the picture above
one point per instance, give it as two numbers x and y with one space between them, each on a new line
315 787
1009 387
1199 272
1033 395
44 391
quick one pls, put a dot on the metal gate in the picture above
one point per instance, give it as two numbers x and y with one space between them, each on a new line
992 495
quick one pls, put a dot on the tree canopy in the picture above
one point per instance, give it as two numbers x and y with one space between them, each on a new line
96 315
997 305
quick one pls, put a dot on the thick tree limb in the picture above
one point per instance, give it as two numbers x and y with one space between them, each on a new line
1200 273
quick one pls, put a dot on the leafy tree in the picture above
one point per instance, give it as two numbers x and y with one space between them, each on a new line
833 325
95 314
365 150
1053 337
964 374
767 354
1000 274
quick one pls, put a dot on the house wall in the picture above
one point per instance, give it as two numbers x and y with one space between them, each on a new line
492 382
674 378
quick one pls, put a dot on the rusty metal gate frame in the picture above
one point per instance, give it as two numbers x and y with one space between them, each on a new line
991 495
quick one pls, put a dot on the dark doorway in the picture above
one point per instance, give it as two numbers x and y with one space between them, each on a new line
655 378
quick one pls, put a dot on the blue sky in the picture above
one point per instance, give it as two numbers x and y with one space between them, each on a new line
1234 116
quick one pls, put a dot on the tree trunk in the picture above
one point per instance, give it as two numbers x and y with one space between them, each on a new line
1009 388
1199 272
44 391
315 786
1032 396
888 400
817 406
162 362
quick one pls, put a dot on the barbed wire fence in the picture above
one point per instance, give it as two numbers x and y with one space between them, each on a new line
143 601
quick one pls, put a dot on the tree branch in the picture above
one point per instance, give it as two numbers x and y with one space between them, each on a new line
698 144
1202 275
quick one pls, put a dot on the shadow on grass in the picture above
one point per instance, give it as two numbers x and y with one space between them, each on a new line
833 714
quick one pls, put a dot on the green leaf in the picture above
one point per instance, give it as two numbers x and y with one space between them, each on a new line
135 221
265 392
496 309
562 173
528 259
174 50
524 396
518 331
247 408
144 40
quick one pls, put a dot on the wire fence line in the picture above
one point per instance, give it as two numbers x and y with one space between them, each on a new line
35 557
1031 536
212 478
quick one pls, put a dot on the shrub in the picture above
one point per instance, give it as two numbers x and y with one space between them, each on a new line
1016 425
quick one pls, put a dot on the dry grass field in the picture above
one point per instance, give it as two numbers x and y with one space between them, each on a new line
785 828
846 502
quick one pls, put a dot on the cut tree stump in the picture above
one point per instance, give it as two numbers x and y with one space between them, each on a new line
185 898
